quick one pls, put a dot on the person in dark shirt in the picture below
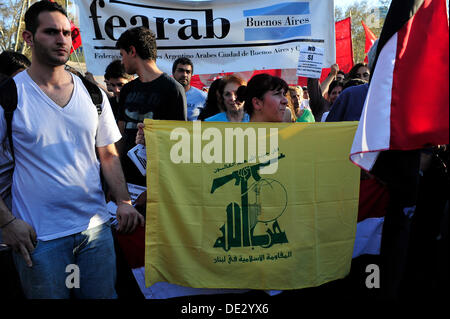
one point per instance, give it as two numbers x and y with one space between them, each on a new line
318 104
350 103
322 95
153 95
116 78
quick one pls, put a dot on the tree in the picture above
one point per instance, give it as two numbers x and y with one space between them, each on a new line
12 24
372 16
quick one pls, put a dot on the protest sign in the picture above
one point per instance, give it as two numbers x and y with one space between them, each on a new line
217 36
138 156
310 61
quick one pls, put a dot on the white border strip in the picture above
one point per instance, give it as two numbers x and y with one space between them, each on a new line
373 133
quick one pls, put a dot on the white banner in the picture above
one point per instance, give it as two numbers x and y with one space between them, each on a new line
218 36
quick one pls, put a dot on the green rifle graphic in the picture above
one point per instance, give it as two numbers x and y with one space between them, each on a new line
240 225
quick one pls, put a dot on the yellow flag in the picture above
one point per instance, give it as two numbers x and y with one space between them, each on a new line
249 205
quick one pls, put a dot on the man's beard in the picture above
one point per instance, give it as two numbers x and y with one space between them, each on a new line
184 82
45 55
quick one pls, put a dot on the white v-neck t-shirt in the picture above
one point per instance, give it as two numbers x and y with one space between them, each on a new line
56 182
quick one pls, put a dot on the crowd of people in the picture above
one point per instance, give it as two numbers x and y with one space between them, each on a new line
67 156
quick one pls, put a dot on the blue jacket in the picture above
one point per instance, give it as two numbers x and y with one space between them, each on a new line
349 105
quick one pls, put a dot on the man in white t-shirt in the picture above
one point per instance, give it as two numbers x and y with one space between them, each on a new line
59 225
182 71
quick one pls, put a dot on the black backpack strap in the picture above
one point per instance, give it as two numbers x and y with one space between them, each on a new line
95 93
8 100
97 99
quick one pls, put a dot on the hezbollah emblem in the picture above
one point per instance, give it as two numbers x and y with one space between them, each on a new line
252 224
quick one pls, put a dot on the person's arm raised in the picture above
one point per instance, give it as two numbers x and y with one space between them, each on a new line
330 78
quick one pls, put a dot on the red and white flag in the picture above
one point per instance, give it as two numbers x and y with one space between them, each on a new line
407 105
370 39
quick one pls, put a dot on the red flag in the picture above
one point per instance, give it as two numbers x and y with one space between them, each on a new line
344 46
370 39
344 58
344 49
76 37
133 246
407 105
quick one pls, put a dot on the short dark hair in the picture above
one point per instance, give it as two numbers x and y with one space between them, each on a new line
116 70
257 87
353 82
11 62
184 61
142 38
334 84
32 14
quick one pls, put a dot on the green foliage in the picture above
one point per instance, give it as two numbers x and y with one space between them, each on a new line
373 17
12 24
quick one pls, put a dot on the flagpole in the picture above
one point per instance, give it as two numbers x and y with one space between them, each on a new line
19 22
78 61
351 36
74 51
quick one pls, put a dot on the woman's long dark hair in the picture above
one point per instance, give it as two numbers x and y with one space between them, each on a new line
354 70
212 106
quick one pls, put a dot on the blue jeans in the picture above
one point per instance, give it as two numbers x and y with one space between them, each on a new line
91 273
